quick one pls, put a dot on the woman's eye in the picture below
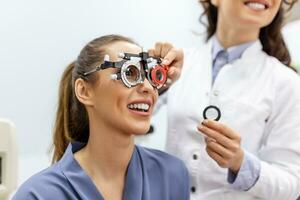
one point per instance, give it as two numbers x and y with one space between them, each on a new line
132 73
129 72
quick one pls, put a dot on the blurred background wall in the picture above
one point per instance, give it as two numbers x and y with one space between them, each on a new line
40 38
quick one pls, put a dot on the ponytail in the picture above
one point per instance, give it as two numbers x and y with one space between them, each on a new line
71 121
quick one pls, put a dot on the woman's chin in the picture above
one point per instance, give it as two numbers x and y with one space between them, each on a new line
141 130
254 22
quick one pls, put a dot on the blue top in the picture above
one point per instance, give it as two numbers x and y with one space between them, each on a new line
250 168
151 174
221 56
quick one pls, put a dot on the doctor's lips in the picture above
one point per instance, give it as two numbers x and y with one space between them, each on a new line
142 106
257 4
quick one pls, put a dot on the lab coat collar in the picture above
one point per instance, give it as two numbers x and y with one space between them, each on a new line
234 52
247 62
254 49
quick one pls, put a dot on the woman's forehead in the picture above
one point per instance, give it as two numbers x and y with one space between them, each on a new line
122 47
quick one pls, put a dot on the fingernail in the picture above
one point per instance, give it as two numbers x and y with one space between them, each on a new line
205 121
200 127
165 62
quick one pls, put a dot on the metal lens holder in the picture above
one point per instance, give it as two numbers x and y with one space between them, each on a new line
148 67
123 73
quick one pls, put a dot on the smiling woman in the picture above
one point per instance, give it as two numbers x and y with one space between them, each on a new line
97 117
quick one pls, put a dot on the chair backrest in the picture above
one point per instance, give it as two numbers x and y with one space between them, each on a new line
8 159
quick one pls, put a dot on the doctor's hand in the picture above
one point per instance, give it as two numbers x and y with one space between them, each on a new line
222 144
173 57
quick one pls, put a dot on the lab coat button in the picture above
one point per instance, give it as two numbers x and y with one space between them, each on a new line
193 189
216 93
195 157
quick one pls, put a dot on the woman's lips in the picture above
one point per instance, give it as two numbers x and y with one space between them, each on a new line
257 5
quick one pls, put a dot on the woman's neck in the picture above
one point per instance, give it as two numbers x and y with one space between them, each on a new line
105 159
231 36
108 154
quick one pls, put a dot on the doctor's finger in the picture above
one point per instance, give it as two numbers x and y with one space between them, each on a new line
166 47
216 157
158 48
209 139
174 57
221 128
151 52
220 138
219 149
174 73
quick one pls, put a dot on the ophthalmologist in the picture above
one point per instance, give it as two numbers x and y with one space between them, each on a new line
244 70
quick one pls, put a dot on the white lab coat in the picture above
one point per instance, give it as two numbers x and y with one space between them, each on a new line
260 99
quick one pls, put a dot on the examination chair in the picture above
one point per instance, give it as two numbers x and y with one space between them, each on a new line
8 159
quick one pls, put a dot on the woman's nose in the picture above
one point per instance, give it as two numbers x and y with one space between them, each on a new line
145 87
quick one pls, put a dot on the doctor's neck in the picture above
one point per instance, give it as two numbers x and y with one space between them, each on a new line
229 37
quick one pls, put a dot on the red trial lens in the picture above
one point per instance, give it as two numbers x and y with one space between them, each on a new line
159 74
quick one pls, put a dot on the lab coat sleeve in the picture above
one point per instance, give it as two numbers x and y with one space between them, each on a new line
280 152
247 175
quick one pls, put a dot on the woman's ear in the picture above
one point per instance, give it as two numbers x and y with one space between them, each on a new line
83 92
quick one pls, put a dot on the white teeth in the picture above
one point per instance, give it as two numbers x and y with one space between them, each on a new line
145 106
139 106
256 6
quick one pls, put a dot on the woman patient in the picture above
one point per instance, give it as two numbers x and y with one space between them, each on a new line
105 99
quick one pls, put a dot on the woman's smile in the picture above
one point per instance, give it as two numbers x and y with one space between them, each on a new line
257 5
